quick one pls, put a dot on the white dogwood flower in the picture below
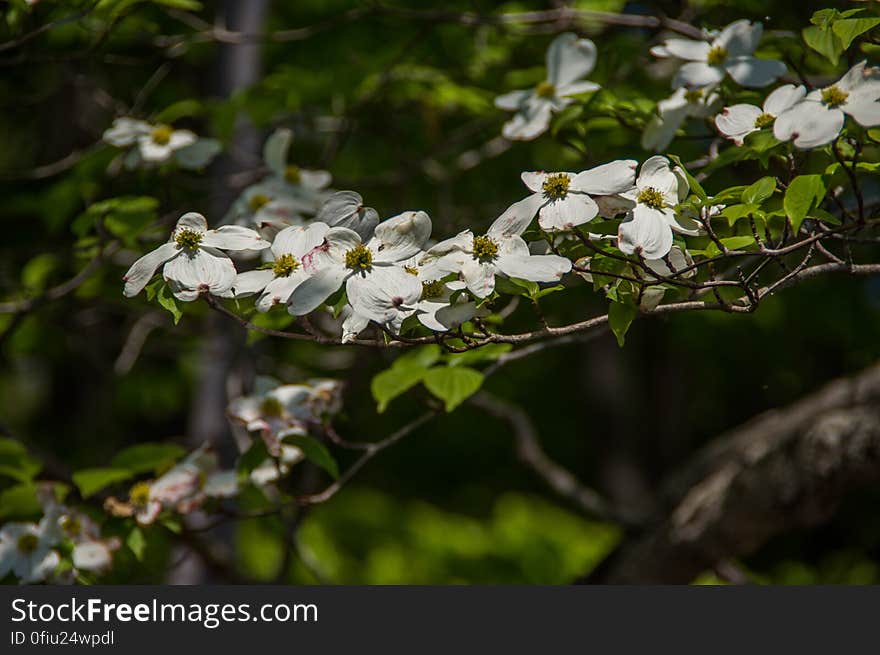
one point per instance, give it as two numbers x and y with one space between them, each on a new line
738 121
673 111
273 468
647 229
564 200
569 60
304 186
26 550
729 53
819 117
478 259
162 141
277 281
376 287
192 258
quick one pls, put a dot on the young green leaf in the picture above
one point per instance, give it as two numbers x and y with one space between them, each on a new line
620 317
453 384
148 457
91 481
314 451
758 192
802 196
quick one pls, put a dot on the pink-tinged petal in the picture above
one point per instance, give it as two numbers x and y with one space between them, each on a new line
737 121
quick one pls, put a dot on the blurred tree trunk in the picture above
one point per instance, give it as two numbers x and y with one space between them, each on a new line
239 66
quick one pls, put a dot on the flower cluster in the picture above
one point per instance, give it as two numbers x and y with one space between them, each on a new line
390 271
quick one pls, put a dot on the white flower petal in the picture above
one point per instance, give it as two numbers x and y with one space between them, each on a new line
753 72
686 49
315 290
534 180
315 180
181 139
607 179
537 268
251 282
353 325
192 221
346 209
297 240
202 270
576 88
152 151
513 100
809 124
656 174
737 121
569 59
865 112
383 293
784 97
661 129
515 218
125 132
92 556
400 237
279 290
740 38
199 154
528 123
698 73
140 273
479 277
234 237
276 149
645 231
566 213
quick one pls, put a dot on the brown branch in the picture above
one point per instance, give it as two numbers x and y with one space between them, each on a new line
784 470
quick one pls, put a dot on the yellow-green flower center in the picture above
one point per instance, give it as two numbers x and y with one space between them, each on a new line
412 270
285 265
834 96
485 249
139 494
764 120
161 134
189 239
545 90
271 406
27 543
71 526
359 258
258 201
651 197
693 95
716 56
291 174
432 289
556 186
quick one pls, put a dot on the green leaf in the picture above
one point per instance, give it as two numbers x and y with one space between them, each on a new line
488 353
314 451
148 457
252 457
733 213
824 41
847 30
453 384
91 481
424 356
758 192
620 317
178 110
803 195
389 384
136 542
736 243
19 501
15 462
531 288
187 5
169 302
36 273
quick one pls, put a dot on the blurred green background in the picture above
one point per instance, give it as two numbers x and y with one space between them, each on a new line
388 104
